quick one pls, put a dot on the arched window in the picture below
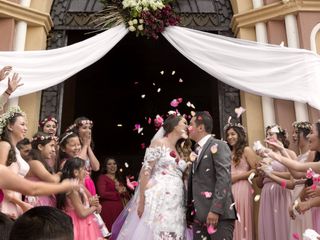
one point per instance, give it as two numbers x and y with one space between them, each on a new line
315 39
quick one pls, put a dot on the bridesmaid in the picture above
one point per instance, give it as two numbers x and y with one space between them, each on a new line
111 191
300 223
275 198
243 164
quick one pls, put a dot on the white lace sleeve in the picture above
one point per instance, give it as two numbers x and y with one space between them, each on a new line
150 158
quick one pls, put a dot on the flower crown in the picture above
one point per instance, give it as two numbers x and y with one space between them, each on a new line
84 122
43 138
47 119
231 124
304 125
277 129
67 134
9 114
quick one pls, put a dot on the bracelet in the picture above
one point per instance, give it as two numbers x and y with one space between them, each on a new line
7 93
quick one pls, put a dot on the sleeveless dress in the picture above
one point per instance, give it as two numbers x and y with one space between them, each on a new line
21 168
83 228
241 191
273 212
164 210
303 221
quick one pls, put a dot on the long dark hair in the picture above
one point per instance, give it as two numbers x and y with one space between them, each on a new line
6 136
240 145
40 138
281 135
68 169
317 155
104 170
63 141
183 146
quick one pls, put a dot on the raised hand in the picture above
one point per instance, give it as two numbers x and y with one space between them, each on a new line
4 72
14 83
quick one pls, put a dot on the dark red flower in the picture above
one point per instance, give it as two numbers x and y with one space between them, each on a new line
173 154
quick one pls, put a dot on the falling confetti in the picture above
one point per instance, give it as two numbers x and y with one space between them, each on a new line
162 72
231 206
251 176
214 148
211 229
173 72
126 164
159 90
143 96
206 194
239 111
131 185
121 170
119 125
180 80
257 198
208 169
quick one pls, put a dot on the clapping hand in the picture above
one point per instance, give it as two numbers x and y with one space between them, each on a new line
275 144
4 72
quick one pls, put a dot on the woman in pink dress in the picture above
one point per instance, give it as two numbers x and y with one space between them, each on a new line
311 199
76 203
43 147
13 129
243 164
275 198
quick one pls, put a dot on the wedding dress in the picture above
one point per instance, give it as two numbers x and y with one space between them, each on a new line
164 212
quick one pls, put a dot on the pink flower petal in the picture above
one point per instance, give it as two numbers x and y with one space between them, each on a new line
283 184
314 187
206 194
174 103
211 229
296 236
214 148
239 111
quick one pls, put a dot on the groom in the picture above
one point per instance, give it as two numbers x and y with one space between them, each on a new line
210 182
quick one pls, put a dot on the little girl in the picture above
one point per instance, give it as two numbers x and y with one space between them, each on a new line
76 203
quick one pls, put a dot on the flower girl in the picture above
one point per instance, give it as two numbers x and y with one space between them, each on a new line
76 203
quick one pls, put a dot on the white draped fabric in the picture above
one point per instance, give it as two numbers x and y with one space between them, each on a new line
42 69
262 69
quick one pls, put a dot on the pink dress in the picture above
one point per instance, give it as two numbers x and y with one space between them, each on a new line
83 228
241 191
273 212
40 200
303 221
21 168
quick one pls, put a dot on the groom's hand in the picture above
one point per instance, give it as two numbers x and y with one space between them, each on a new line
212 219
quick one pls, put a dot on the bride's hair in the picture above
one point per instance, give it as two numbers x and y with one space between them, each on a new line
183 146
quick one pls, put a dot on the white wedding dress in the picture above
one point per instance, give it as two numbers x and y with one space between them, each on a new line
164 213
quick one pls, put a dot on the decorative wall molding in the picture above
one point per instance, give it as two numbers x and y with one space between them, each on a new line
31 16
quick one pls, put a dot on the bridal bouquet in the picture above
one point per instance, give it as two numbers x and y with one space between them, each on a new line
145 17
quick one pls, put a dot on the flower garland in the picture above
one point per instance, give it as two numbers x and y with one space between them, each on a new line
5 117
145 17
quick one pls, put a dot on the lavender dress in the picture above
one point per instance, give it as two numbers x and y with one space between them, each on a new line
273 212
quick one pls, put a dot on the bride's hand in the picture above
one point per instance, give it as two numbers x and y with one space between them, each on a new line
140 208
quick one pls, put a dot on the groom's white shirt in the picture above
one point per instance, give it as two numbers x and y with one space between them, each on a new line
202 142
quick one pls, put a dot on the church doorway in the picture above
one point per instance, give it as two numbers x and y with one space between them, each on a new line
135 81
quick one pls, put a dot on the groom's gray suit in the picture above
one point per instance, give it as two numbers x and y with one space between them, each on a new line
211 173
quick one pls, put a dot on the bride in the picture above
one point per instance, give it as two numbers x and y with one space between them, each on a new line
157 210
